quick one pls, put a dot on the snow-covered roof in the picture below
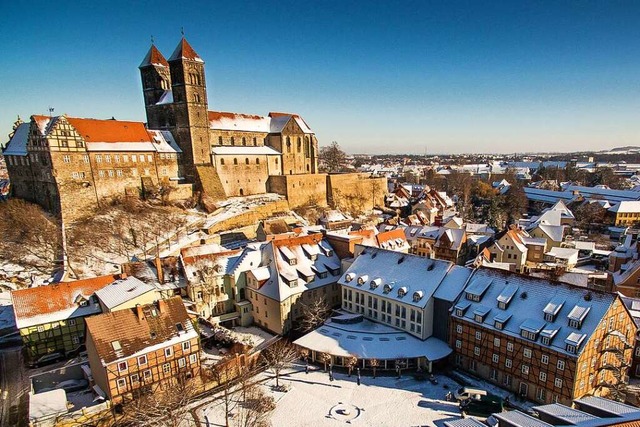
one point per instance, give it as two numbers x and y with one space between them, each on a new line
17 145
520 419
273 123
58 301
290 266
47 405
626 207
606 405
527 307
397 270
563 253
244 151
453 283
464 422
123 290
555 232
370 340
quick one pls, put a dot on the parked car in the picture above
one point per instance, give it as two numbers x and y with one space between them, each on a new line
483 407
69 386
465 393
47 359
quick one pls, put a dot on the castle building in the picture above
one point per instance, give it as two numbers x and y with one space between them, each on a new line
70 165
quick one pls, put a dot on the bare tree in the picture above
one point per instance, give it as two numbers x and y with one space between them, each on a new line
324 358
162 408
279 356
254 409
351 362
228 374
332 158
374 365
30 237
314 314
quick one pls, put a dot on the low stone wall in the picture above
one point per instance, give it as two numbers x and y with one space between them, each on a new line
355 192
249 218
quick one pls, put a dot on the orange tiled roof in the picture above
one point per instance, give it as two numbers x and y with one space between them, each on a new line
55 297
94 130
398 233
311 239
514 235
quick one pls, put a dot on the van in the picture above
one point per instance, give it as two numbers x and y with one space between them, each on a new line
465 393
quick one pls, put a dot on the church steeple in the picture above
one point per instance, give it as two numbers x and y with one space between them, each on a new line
154 57
184 51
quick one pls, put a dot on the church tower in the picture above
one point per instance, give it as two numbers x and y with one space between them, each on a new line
156 88
189 92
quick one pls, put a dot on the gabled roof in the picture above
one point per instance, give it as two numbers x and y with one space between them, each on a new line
58 301
17 145
95 130
154 57
158 328
184 51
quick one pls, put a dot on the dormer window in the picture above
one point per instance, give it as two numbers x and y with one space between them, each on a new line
461 308
84 303
506 296
288 255
571 349
549 317
577 315
417 296
498 325
349 277
362 279
473 297
375 283
402 292
387 288
575 324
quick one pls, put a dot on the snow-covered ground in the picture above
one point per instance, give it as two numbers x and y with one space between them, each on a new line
312 400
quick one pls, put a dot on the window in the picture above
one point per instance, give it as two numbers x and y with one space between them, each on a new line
72 322
495 358
98 158
166 368
40 328
473 365
558 382
182 362
478 335
101 173
119 172
507 380
122 383
141 158
544 359
509 346
107 158
546 340
142 360
147 375
122 366
560 365
496 342
476 351
193 358
574 323
494 375
111 173
541 394
149 158
543 376
135 378
66 159
117 158
134 158
527 353
75 339
458 344
168 352
459 329
186 346
508 363
571 348
525 369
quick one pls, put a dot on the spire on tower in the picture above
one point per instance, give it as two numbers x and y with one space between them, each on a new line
184 51
153 57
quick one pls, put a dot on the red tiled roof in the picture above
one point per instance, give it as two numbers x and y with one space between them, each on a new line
154 57
184 50
55 297
94 130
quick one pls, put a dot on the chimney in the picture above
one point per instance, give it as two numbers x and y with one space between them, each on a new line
123 276
162 306
158 263
139 312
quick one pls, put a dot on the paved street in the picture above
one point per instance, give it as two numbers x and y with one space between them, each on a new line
13 388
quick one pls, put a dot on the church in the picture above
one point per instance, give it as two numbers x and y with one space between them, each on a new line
71 165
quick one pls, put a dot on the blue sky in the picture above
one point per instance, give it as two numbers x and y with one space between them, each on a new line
376 76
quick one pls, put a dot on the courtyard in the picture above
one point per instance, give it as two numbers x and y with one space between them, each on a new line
314 400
